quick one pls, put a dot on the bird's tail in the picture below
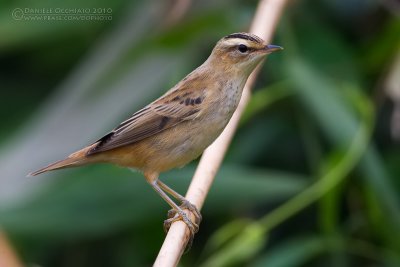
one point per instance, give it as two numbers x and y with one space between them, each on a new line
75 159
65 163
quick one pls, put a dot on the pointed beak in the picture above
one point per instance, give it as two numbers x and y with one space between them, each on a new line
272 48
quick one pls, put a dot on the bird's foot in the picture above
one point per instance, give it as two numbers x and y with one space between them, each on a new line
180 215
185 204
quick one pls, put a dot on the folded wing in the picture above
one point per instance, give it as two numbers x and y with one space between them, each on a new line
164 113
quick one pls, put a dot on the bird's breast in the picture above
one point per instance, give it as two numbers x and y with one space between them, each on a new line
230 95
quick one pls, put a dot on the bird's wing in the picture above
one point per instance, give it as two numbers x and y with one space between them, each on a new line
166 112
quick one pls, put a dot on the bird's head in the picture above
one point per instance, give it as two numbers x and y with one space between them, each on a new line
241 51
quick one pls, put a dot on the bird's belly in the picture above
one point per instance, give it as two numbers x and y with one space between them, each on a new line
187 142
172 148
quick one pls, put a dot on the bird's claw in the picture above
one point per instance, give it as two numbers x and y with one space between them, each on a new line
180 215
185 204
192 208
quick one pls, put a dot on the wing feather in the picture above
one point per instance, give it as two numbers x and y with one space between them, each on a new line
164 113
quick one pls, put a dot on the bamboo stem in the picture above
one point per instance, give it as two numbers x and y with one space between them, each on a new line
264 22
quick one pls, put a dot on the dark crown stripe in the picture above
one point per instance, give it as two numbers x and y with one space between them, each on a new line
243 36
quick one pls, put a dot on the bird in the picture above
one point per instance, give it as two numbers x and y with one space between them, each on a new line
177 127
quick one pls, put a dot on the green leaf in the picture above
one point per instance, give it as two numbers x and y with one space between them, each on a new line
295 252
339 123
245 244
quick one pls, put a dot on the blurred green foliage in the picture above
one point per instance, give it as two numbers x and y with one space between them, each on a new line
309 180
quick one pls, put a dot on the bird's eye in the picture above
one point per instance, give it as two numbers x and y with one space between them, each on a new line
243 48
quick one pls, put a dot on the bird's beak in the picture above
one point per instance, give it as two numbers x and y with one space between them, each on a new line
272 48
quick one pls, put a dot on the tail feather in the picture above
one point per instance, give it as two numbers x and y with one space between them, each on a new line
65 163
75 159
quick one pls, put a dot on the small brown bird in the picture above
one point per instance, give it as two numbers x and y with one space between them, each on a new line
177 127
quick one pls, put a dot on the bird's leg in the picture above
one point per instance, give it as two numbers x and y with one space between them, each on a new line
180 214
185 204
